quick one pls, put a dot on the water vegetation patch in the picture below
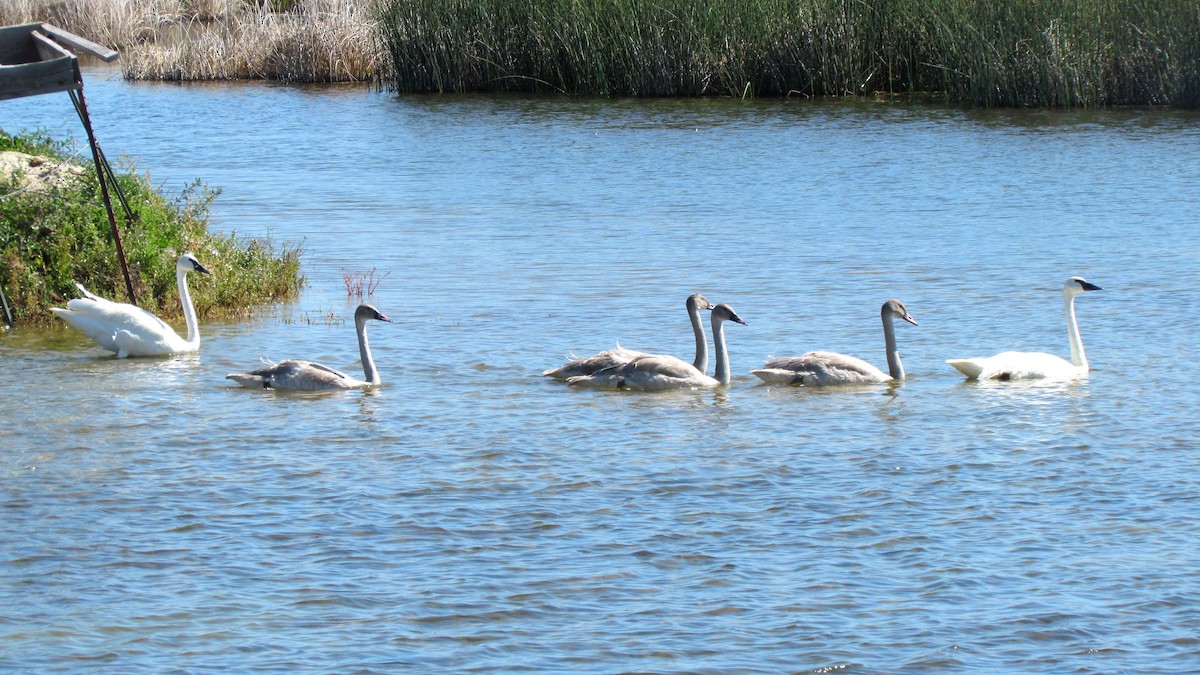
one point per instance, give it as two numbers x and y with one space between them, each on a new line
56 233
1021 53
362 284
1038 53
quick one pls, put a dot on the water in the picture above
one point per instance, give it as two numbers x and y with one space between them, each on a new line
471 516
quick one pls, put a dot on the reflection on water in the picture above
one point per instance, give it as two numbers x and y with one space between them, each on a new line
472 515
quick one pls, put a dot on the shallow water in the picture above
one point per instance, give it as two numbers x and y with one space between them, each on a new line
471 516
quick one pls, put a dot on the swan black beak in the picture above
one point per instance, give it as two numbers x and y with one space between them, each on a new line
1090 286
200 268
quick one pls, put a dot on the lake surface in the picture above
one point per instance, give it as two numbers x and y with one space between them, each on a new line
471 516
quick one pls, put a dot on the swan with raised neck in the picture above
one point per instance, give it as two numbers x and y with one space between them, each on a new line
824 368
309 376
1036 365
128 330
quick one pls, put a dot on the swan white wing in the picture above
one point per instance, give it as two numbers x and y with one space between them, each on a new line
818 368
1018 366
108 307
98 331
121 316
124 329
297 375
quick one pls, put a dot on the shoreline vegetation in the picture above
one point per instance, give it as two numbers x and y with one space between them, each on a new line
1025 53
187 40
54 232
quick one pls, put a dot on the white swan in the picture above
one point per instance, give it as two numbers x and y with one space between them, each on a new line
1036 365
131 331
818 368
309 376
620 356
655 372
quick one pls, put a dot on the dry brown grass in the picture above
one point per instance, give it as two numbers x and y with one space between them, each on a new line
287 40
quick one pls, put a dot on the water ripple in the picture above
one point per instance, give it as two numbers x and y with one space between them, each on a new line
471 516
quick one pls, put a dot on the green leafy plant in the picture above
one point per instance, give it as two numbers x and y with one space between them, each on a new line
53 237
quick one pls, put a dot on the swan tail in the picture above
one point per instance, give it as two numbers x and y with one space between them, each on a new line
606 378
86 293
972 368
573 369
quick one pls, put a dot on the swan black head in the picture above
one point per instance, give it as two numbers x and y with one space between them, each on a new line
897 309
697 301
1081 284
188 263
366 312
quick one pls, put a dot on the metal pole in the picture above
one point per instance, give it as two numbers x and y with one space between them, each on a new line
101 174
8 317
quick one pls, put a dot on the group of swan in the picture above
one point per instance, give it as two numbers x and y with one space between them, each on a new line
621 368
657 372
127 330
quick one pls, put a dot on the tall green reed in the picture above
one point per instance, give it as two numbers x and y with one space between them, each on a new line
1019 53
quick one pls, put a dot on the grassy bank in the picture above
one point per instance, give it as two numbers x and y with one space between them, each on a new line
1021 53
284 40
54 233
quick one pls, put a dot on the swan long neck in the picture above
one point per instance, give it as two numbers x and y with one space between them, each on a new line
701 361
722 371
1078 358
895 368
370 374
189 311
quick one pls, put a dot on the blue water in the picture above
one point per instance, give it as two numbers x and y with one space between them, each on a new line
470 516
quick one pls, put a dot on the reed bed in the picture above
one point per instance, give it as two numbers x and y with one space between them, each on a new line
286 40
1020 53
1016 53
